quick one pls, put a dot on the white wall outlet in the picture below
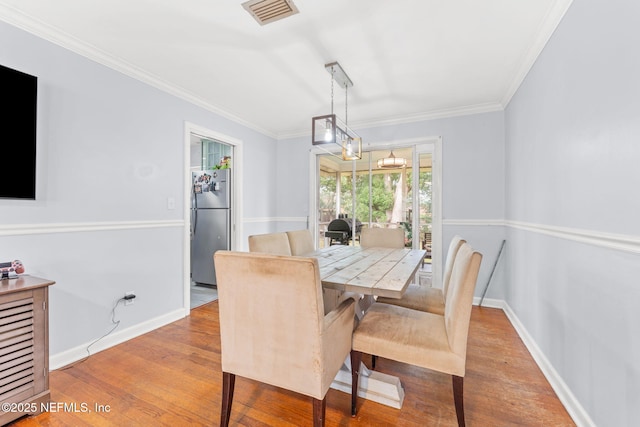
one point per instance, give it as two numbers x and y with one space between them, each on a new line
171 203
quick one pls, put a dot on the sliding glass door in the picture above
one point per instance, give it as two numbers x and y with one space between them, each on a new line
377 191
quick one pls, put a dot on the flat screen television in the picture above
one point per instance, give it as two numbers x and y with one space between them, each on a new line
18 105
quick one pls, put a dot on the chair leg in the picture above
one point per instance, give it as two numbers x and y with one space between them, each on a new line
356 359
319 407
457 398
228 384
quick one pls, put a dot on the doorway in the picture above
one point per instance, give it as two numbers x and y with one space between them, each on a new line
393 186
209 153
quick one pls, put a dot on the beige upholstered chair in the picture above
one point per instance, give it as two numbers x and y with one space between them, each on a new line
429 298
273 328
271 243
382 237
300 242
432 341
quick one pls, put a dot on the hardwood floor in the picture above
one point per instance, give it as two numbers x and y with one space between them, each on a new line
172 377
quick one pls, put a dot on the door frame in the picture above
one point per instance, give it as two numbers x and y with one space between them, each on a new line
431 144
236 197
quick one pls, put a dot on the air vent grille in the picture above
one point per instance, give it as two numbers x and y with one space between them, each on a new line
266 11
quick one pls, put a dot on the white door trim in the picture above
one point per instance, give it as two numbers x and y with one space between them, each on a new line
434 146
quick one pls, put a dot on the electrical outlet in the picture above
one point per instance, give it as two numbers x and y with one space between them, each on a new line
129 297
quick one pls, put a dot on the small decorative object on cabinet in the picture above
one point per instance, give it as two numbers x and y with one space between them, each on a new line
24 347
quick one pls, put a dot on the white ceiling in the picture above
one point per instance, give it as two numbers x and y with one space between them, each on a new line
408 59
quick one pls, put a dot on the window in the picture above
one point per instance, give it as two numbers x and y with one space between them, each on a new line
382 197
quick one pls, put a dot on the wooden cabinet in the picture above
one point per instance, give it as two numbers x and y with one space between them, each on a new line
24 347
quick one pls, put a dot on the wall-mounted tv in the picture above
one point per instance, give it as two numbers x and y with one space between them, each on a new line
18 105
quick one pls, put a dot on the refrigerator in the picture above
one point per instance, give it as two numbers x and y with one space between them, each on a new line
210 221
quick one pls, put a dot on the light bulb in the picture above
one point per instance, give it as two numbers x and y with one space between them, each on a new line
349 149
328 137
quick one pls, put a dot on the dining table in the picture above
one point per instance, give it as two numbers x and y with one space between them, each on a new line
365 273
384 272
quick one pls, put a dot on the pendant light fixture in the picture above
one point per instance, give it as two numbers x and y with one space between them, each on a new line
392 162
329 129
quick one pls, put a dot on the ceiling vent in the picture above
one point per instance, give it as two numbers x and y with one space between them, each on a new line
266 11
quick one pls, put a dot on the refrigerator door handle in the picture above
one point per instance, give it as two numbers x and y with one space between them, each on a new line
195 220
194 208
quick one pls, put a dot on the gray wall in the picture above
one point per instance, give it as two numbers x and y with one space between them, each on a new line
560 165
472 175
110 151
572 157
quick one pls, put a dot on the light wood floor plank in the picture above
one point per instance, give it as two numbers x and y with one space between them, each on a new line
171 377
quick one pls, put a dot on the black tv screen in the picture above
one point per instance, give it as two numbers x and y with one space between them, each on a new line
18 102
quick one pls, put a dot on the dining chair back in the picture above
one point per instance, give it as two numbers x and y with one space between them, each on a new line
273 328
382 237
429 298
270 243
300 242
428 340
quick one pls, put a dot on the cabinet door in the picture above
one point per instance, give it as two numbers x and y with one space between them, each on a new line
23 365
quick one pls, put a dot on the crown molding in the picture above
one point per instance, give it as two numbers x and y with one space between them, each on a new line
444 113
56 36
548 26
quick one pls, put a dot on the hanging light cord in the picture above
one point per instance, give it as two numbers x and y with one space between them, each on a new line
332 78
346 117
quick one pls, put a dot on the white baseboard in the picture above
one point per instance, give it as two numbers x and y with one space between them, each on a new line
573 406
490 302
80 352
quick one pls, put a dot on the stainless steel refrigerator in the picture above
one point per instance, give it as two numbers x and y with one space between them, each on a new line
210 221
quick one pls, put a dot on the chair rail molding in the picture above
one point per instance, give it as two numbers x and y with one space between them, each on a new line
275 219
621 242
474 222
74 227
